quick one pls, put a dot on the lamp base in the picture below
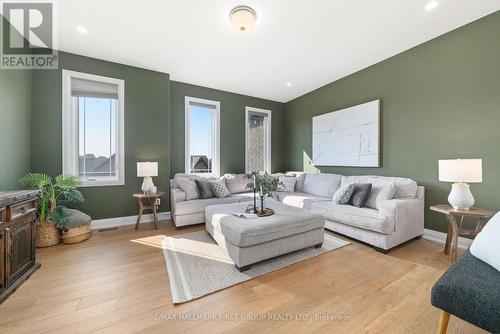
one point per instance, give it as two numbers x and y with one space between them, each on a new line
147 185
461 197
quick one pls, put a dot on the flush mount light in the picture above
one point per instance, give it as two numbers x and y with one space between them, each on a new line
289 84
243 18
81 30
431 5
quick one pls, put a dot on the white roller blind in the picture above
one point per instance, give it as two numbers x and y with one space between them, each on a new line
95 89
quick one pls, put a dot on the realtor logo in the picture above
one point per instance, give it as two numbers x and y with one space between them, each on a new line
28 35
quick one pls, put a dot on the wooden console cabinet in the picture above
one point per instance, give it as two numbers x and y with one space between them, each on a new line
17 239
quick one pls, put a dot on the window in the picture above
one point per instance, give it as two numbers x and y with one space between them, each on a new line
202 136
93 125
258 140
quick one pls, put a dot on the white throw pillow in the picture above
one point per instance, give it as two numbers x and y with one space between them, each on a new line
486 246
286 184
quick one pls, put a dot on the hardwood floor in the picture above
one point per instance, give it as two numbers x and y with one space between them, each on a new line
117 282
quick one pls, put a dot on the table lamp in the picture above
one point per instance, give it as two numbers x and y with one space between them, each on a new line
461 172
147 170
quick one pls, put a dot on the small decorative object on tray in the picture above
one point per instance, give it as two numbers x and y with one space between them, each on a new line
265 213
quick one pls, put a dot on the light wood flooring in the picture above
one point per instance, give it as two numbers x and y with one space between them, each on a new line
117 282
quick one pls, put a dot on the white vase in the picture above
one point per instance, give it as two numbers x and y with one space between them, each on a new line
460 196
147 185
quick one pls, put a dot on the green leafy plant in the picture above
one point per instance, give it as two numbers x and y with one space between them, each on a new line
54 196
268 182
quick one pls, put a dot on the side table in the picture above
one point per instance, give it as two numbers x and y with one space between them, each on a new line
151 198
455 228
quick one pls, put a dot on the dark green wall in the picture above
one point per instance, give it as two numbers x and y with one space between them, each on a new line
232 142
147 129
439 100
15 104
15 114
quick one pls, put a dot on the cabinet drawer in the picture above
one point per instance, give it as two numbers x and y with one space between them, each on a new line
18 210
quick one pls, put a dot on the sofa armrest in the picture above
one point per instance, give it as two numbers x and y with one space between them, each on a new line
177 195
408 213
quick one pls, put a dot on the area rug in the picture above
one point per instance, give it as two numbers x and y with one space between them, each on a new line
197 266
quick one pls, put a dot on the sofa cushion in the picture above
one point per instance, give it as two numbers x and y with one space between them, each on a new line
321 184
469 289
286 221
300 200
486 246
199 205
244 197
360 194
237 183
286 183
404 188
188 184
366 218
204 188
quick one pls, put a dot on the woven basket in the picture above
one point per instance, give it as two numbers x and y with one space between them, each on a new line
76 234
47 235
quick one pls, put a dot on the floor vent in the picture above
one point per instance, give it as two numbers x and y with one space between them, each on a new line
107 229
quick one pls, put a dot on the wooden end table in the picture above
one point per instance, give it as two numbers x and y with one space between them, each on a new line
151 198
455 228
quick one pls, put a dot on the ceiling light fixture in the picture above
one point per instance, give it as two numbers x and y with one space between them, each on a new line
431 5
243 18
289 84
81 30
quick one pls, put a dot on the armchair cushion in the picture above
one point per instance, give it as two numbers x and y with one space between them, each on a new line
470 290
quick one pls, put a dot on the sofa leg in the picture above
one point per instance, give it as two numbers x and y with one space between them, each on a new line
318 245
244 268
381 250
443 322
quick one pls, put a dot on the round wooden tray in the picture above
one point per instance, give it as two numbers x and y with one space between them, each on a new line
267 212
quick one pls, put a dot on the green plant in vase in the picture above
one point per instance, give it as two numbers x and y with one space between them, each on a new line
54 196
262 184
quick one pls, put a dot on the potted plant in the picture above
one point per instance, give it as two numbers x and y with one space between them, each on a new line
51 217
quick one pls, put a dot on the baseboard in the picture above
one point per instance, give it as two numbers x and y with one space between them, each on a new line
124 221
440 237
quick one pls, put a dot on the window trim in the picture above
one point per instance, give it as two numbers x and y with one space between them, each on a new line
70 130
268 135
216 140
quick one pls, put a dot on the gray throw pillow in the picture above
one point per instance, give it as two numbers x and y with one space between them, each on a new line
360 194
204 188
187 184
219 189
343 194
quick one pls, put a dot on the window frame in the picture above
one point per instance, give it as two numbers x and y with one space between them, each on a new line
268 135
70 131
215 141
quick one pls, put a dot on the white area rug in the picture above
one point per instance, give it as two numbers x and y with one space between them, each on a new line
197 266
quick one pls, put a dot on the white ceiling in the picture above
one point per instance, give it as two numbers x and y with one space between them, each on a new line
307 43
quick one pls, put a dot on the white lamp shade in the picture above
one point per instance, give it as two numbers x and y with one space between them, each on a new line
461 170
145 169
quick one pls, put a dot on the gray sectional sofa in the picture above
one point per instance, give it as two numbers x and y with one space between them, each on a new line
385 222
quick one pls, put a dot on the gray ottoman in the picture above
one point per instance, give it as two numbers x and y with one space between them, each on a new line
248 241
